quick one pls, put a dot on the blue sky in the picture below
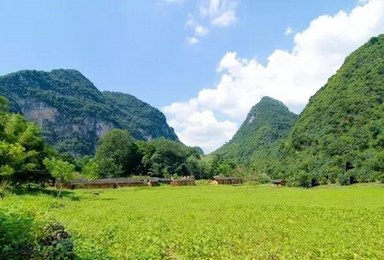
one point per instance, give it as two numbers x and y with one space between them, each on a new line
139 47
180 55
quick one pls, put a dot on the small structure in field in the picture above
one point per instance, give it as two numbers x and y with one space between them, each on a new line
279 182
185 181
163 180
226 180
213 182
153 183
111 183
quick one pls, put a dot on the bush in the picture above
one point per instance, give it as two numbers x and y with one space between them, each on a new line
24 237
306 180
56 243
16 235
347 178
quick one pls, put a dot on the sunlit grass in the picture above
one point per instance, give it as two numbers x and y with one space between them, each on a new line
221 222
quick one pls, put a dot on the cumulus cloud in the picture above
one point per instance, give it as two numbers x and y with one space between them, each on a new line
199 126
290 76
212 13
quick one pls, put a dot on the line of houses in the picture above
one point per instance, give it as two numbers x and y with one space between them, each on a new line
113 183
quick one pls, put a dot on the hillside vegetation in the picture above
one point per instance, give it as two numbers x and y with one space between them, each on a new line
260 134
340 134
74 113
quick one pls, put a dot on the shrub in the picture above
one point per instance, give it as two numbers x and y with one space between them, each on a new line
22 236
56 243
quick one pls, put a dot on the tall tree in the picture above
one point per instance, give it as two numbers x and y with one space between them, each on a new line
117 154
22 149
63 171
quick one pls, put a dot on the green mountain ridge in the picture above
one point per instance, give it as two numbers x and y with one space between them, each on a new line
259 135
339 136
74 113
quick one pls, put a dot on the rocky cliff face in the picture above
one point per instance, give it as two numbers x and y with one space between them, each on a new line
74 114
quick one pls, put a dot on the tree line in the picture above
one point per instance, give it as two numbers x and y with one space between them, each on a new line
26 157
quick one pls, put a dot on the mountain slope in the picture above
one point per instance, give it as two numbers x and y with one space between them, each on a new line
74 113
134 116
259 135
340 133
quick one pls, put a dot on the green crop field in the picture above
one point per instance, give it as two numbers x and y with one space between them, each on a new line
218 222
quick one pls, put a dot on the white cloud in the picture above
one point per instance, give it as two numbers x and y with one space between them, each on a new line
212 13
225 19
220 12
288 31
200 127
201 30
290 76
192 40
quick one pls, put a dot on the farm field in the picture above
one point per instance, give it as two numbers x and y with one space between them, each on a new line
218 222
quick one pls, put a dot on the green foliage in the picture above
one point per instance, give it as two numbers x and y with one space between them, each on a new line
165 158
74 113
22 236
91 170
141 120
218 222
62 171
4 104
16 234
22 150
256 144
219 166
117 154
338 137
56 243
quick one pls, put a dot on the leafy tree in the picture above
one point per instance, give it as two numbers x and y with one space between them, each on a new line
91 170
170 158
22 150
117 154
62 171
222 167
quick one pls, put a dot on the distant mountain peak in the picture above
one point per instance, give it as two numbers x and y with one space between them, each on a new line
74 113
267 122
342 127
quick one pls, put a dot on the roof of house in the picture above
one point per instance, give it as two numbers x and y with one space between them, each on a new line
278 180
106 181
225 178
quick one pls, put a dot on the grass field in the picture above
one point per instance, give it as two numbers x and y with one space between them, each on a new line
219 222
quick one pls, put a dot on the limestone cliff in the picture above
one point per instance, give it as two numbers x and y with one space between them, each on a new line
73 113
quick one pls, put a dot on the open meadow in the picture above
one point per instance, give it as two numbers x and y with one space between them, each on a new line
218 222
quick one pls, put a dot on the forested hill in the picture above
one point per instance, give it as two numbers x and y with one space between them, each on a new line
74 113
340 133
259 135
